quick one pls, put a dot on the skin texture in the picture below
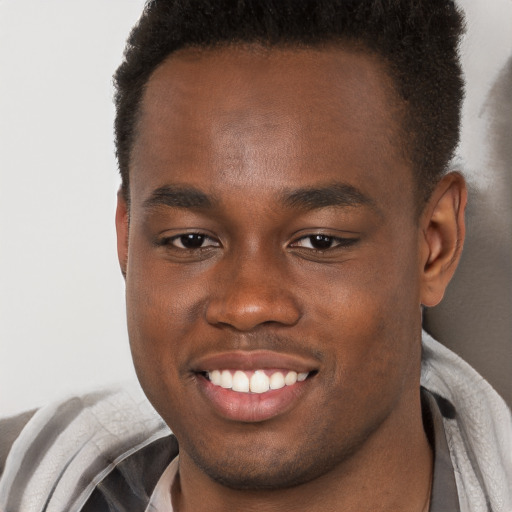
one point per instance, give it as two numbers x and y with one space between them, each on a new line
252 129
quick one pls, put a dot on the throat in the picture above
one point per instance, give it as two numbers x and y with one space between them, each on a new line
193 491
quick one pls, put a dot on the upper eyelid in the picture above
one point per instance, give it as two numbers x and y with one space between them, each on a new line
206 236
351 236
343 242
164 235
169 239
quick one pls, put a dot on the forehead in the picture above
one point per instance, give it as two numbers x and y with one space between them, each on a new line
252 114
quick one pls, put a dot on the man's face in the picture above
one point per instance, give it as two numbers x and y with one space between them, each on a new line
272 230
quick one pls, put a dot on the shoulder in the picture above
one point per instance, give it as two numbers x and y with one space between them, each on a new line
62 450
478 428
10 429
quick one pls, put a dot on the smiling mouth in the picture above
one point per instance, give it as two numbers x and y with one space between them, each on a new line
257 381
252 387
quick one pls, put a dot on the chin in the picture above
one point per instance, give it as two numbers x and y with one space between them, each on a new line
264 478
273 470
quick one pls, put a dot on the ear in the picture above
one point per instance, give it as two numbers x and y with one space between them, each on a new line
442 236
122 225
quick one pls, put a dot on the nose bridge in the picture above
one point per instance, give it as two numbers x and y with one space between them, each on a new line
253 289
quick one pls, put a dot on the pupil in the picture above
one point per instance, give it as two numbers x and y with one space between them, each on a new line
192 240
321 241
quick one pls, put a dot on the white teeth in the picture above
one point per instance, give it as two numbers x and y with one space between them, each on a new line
291 378
260 383
277 381
226 380
240 382
215 377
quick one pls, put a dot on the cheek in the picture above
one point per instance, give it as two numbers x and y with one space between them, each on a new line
369 316
159 314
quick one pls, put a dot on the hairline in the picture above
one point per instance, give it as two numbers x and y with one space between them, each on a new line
405 139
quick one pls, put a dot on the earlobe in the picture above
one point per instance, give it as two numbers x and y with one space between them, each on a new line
122 225
442 236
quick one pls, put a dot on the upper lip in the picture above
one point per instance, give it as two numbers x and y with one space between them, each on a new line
253 360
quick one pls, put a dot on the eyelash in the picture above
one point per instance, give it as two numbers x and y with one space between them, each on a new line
169 241
340 242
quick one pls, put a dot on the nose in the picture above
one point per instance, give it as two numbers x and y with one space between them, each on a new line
252 292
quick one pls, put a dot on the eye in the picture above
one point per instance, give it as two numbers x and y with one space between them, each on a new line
322 242
191 241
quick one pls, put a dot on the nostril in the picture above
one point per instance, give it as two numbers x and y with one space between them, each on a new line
244 313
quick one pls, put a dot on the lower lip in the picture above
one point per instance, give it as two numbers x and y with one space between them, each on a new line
252 407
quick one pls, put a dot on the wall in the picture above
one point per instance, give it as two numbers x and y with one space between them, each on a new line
62 322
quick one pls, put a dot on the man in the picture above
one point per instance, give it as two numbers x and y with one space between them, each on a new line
285 214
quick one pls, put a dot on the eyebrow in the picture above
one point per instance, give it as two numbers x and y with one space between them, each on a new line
308 198
335 194
179 197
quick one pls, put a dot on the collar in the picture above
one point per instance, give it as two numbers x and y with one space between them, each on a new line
444 494
134 480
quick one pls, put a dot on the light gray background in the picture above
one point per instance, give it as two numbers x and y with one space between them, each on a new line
62 320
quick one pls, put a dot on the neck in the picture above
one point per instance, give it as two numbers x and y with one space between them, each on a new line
391 471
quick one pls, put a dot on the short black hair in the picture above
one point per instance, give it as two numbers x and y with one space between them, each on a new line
418 40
